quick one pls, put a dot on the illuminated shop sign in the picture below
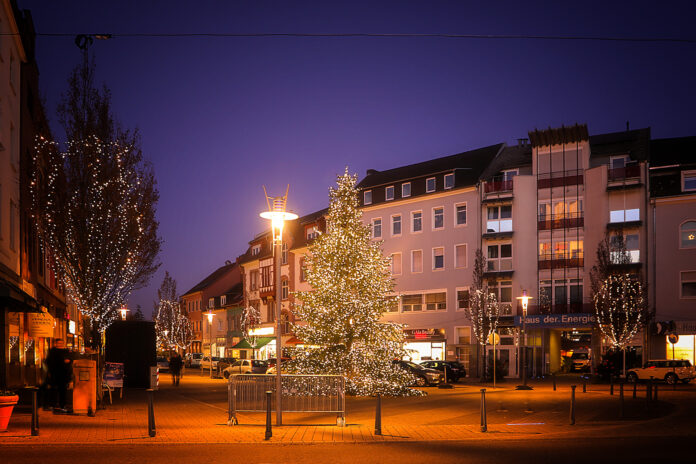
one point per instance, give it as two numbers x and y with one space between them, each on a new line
558 320
425 334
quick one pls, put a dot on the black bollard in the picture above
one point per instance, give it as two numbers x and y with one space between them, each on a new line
34 414
269 428
621 400
655 393
484 419
584 386
635 388
648 392
611 385
151 431
378 416
553 376
572 405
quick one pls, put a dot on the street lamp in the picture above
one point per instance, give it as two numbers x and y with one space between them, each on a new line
124 312
525 301
210 314
277 214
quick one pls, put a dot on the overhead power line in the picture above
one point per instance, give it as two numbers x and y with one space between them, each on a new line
377 35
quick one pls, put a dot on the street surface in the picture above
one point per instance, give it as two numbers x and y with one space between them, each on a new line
523 426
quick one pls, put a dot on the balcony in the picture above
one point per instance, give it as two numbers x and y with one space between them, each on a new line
498 186
267 287
559 179
561 260
498 267
625 177
561 221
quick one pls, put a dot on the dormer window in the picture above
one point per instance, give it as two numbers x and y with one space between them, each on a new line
311 232
223 300
211 302
367 197
389 193
405 189
430 185
449 181
255 250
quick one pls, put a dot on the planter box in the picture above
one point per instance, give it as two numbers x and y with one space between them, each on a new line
7 404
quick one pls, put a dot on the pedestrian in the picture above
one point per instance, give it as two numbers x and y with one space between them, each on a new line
175 365
59 364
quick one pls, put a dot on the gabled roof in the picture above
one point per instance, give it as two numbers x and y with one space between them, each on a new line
203 284
636 143
472 163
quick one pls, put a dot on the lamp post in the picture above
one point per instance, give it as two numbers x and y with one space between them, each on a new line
277 214
525 301
210 314
124 312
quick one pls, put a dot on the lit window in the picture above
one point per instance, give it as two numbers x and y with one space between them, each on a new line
367 197
460 214
460 256
255 250
211 302
688 234
438 258
624 215
416 221
389 193
449 181
688 181
405 189
311 232
377 228
438 218
416 261
688 284
396 224
223 300
430 185
396 263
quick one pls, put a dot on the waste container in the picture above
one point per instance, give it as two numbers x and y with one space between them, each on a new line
85 386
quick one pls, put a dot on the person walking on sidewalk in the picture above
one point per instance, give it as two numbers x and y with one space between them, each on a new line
175 365
59 364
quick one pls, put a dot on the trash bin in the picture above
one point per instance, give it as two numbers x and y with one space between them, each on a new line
85 386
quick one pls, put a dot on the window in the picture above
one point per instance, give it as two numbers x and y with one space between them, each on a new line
464 335
367 197
688 181
508 174
394 306
284 254
416 261
438 258
617 162
255 250
503 293
632 245
460 256
460 214
436 301
389 193
396 263
449 181
499 258
377 228
688 284
311 232
412 303
416 221
499 219
211 302
688 234
430 184
405 189
254 279
624 215
223 300
303 275
396 224
284 291
438 217
462 298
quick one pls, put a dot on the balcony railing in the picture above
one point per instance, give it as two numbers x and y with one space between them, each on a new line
561 260
560 221
499 265
560 179
627 172
498 185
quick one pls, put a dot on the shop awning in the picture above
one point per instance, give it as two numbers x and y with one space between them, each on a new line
260 343
294 341
16 300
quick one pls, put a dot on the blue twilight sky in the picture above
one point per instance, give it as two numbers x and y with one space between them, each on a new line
220 117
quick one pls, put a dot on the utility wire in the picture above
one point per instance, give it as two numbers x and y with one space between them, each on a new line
379 35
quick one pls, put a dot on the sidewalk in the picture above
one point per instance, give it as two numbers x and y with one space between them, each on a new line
444 415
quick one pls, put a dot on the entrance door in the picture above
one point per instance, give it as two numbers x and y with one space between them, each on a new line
503 358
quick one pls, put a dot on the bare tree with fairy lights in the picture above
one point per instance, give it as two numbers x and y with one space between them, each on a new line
352 284
171 323
94 203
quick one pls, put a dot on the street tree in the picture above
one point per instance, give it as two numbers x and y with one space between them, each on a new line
172 325
94 203
351 288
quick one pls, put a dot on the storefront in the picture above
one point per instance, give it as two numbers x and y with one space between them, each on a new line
684 338
425 344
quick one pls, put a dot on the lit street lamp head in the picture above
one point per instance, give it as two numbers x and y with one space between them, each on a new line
277 214
210 315
525 300
124 312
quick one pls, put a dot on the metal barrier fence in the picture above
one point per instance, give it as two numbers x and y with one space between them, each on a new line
301 393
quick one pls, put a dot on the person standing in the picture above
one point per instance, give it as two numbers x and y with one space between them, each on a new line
175 365
59 363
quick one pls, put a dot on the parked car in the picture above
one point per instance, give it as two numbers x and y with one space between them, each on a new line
579 361
205 362
671 371
272 365
224 363
194 359
424 376
246 366
454 369
162 363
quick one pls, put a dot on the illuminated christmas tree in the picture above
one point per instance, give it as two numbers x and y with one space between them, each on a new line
352 288
172 325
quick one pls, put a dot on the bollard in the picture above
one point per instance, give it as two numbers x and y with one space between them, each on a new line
611 385
378 416
484 419
584 386
572 405
269 428
621 400
635 388
553 376
648 392
674 386
34 414
655 393
231 413
151 431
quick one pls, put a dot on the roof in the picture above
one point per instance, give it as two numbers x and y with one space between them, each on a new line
509 158
211 278
472 163
557 136
677 150
636 143
260 342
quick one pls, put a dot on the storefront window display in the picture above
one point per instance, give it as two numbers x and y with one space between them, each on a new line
685 348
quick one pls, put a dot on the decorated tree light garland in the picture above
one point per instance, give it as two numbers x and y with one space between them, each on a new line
352 284
621 309
172 325
250 320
